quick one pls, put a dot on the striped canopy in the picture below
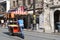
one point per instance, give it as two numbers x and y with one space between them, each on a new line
20 11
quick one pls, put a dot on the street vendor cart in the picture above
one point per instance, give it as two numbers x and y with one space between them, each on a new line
13 28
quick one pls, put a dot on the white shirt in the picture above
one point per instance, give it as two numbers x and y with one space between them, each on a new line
2 21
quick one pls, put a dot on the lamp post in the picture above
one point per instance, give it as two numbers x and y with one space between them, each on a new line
34 16
33 7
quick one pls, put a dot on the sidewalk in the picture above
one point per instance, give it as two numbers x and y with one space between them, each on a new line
33 35
37 31
47 36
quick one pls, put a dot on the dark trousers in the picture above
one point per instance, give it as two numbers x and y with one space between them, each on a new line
34 27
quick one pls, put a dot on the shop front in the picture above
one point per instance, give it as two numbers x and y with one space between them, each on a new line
25 16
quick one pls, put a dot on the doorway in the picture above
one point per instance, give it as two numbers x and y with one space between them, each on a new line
25 22
25 18
56 19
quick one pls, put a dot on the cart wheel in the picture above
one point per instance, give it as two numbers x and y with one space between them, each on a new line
11 34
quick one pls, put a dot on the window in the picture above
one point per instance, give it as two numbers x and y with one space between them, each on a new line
29 2
38 3
59 0
52 2
24 2
14 3
21 3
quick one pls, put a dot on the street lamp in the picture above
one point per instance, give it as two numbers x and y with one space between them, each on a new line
34 16
33 7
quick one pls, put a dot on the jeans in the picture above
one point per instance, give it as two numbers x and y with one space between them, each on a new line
22 34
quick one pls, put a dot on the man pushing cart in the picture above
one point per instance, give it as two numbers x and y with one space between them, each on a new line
21 26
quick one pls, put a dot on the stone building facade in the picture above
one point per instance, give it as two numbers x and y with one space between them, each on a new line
11 4
46 18
51 15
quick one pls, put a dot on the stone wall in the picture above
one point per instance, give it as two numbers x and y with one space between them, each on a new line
41 20
47 21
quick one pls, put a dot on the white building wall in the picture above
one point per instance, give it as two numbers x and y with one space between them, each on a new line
8 5
49 16
46 17
52 19
41 20
47 23
55 2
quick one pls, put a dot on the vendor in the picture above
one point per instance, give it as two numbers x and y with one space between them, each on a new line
21 25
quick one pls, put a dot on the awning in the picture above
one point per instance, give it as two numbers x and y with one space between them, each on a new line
20 13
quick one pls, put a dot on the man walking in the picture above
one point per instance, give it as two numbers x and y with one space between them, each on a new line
21 25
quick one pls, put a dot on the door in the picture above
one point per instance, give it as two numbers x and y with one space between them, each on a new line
56 19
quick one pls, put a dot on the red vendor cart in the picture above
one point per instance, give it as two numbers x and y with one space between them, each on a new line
13 28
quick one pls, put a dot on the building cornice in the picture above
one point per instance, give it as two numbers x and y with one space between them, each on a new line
54 6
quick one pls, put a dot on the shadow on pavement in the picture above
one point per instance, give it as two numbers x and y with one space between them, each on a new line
21 36
12 37
18 35
7 33
10 34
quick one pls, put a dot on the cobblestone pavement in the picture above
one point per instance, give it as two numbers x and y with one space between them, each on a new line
29 35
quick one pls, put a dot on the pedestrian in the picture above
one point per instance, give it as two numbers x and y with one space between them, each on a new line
31 23
21 25
34 22
37 22
2 23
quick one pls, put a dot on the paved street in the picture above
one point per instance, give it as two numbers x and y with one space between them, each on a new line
29 35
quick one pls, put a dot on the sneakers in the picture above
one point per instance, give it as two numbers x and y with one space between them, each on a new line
22 36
